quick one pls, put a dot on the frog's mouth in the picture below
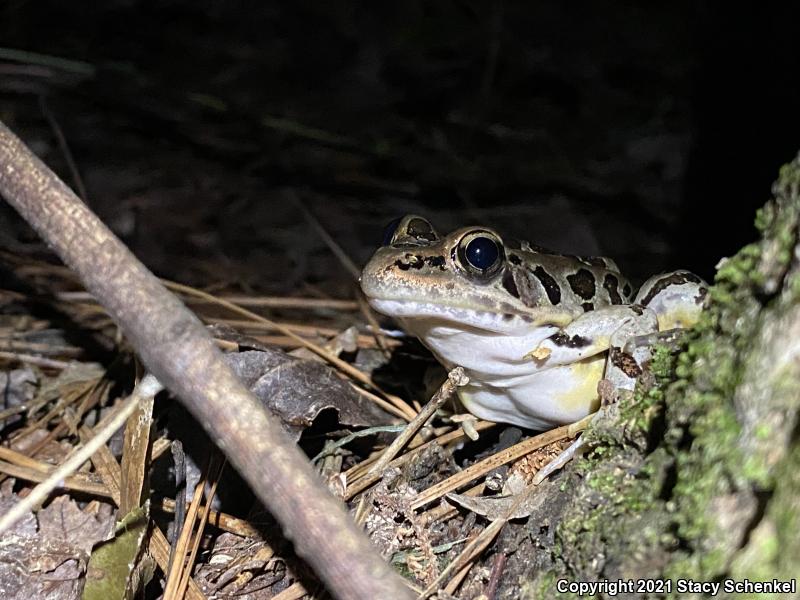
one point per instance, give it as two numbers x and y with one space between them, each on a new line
453 314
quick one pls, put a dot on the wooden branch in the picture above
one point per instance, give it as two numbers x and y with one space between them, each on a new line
175 347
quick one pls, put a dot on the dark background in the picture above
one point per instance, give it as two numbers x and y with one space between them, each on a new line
201 130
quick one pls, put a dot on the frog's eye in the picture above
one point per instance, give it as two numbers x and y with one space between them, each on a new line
480 253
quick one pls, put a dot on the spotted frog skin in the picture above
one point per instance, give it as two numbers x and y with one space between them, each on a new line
534 330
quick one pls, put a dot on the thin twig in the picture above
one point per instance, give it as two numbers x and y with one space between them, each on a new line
158 547
456 377
148 386
332 244
332 447
315 348
251 301
220 520
205 509
39 361
487 464
64 147
362 482
75 483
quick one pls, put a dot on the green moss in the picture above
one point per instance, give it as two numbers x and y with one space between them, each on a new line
647 495
543 588
714 465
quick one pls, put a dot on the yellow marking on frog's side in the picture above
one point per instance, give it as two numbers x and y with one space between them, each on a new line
678 319
587 374
539 354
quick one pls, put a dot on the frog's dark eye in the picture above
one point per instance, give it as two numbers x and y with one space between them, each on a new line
389 231
481 253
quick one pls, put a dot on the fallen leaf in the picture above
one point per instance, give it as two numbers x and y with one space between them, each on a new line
298 390
501 507
49 562
35 568
62 520
119 568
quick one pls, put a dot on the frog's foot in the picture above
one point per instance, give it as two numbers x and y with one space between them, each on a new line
670 338
467 422
626 355
590 334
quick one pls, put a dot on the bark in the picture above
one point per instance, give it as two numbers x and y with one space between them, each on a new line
698 477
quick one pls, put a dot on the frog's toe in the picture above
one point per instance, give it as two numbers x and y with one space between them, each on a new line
626 360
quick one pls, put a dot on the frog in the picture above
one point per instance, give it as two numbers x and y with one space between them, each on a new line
535 331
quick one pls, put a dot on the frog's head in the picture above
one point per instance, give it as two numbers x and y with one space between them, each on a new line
470 278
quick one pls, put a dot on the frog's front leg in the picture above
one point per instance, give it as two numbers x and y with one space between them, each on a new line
594 332
611 329
626 357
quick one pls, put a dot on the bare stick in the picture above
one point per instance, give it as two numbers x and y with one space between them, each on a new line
456 377
176 348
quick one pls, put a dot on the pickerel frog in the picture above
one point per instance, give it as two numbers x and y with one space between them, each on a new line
535 330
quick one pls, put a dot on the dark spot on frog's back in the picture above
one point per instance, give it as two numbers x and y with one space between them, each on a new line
624 362
627 290
587 306
514 259
436 261
701 295
569 341
582 283
549 284
509 284
411 262
611 285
